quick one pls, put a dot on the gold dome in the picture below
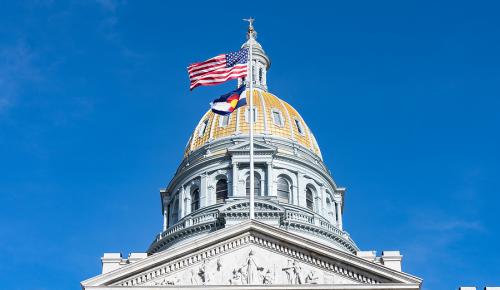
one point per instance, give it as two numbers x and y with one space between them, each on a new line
274 118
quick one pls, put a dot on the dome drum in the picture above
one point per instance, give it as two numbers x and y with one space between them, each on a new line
293 188
293 181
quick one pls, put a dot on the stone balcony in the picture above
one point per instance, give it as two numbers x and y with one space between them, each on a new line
289 217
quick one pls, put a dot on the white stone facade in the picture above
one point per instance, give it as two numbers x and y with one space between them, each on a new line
296 240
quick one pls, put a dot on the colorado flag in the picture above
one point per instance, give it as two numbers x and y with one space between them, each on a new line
229 102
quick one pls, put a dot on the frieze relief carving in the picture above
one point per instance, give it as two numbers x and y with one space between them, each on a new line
244 265
250 259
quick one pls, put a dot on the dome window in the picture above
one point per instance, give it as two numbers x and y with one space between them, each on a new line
277 117
203 128
221 191
247 115
256 185
283 190
300 129
329 208
195 199
224 120
336 212
309 198
173 210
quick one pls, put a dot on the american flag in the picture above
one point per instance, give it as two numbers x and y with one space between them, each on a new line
219 69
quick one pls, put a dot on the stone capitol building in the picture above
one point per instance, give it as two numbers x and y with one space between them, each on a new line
297 239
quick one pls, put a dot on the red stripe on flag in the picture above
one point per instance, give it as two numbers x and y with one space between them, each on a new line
214 71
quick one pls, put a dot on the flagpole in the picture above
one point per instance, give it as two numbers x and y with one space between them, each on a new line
252 181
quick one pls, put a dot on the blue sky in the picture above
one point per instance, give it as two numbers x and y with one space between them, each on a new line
403 97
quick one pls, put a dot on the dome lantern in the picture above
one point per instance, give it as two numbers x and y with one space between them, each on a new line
260 63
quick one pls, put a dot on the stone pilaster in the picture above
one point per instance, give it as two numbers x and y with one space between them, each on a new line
235 179
299 197
270 180
182 203
203 190
165 219
339 214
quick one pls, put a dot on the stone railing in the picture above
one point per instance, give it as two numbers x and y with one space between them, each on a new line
301 217
177 227
190 225
219 216
319 226
202 218
327 225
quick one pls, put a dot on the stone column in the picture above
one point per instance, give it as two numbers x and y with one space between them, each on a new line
235 179
203 190
323 207
334 212
210 194
339 214
165 219
262 185
299 198
293 193
270 179
182 203
186 197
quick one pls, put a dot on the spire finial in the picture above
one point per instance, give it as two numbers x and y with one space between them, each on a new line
251 32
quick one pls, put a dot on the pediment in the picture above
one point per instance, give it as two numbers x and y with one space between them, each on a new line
244 205
244 147
252 253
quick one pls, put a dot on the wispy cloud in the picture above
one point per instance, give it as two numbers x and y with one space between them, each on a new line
16 69
450 225
436 235
110 21
109 5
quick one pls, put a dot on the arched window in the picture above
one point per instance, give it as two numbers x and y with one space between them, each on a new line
336 212
283 190
255 114
277 117
221 191
309 198
260 75
195 199
173 210
329 208
224 120
256 184
300 129
203 128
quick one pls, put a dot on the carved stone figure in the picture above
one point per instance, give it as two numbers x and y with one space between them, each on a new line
298 272
194 279
293 272
249 271
203 274
267 279
165 282
219 265
289 272
236 279
311 278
